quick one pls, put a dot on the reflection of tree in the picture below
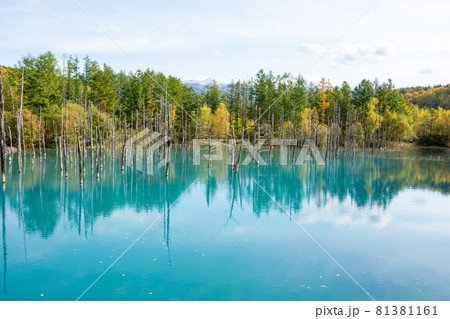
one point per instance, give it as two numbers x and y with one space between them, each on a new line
46 198
43 201
5 263
368 182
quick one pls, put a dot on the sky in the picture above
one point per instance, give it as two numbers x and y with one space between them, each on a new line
407 41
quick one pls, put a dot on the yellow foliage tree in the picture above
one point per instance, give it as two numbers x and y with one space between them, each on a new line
398 126
173 112
307 117
372 118
288 129
323 103
442 122
220 124
203 119
433 127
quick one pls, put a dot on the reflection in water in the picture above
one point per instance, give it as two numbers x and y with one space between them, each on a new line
42 197
344 191
5 263
167 218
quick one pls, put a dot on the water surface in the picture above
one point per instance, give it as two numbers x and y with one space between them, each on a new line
385 220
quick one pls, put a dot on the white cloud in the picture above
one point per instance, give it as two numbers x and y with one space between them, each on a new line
348 53
312 49
341 214
425 71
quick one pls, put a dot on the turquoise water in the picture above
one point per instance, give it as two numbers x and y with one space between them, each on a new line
385 221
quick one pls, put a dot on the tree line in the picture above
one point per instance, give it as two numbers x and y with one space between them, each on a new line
59 99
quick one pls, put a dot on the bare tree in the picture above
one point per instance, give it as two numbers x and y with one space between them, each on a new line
2 123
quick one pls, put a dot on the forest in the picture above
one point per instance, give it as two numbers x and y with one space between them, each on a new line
43 101
428 97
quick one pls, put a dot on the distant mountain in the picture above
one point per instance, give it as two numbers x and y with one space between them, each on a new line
200 85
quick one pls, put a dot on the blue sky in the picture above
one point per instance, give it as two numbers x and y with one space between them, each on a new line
405 40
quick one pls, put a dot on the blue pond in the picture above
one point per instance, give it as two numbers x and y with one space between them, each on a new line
354 229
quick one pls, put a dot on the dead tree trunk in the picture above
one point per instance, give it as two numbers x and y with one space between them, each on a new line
113 134
294 136
56 138
90 131
107 146
83 140
23 138
328 141
61 153
238 159
209 143
271 137
10 145
32 138
338 133
64 140
80 160
123 146
2 123
43 139
39 133
96 153
233 150
19 125
167 155
101 149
